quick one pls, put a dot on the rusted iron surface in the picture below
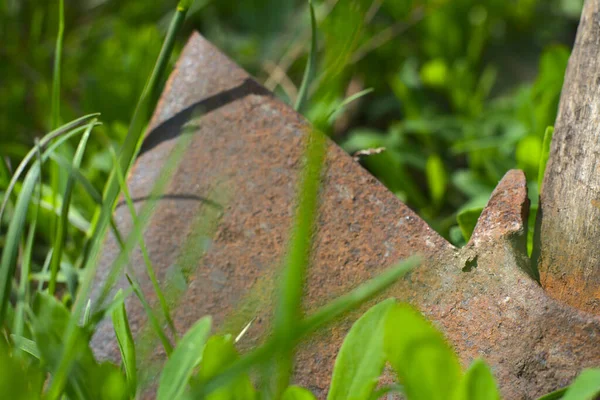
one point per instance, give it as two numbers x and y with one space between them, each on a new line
226 218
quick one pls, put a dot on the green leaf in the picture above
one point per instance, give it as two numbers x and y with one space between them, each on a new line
126 343
555 395
478 383
467 220
297 393
544 155
26 345
343 29
434 73
528 154
86 378
361 358
219 353
585 387
186 356
437 178
22 379
425 364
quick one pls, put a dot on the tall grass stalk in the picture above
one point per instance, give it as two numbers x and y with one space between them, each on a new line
317 320
55 172
289 311
309 71
111 192
63 223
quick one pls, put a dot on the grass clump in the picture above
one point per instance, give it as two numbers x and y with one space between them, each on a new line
46 328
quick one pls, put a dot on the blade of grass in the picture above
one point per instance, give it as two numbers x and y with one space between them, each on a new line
145 214
289 311
55 172
180 366
347 101
126 343
87 313
149 267
358 296
23 292
68 130
111 193
76 176
75 217
318 319
544 155
151 316
61 229
8 262
55 112
45 269
26 345
122 259
309 71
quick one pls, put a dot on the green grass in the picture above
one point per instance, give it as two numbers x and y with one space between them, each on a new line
428 96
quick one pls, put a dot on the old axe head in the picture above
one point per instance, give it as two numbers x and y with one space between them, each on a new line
221 231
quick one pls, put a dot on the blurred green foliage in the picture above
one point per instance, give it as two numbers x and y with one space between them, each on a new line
463 89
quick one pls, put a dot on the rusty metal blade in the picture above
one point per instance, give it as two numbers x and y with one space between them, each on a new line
220 233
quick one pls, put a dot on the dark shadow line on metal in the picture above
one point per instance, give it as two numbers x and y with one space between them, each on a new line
191 197
173 126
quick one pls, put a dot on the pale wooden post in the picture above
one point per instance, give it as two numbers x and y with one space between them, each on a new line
569 217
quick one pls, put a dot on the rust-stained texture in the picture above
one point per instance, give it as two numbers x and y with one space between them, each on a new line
230 207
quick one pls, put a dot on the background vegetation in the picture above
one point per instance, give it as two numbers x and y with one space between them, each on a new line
462 90
456 91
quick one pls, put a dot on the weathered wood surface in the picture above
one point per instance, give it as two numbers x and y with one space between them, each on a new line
569 219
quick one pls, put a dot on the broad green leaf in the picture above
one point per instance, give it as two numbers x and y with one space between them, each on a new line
585 387
86 378
361 358
343 29
297 393
26 345
467 220
425 364
544 155
555 395
19 379
186 356
437 179
528 154
434 73
477 384
219 353
126 343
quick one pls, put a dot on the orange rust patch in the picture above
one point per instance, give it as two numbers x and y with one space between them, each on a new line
574 290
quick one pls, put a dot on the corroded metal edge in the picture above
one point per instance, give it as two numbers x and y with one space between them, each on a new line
225 219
